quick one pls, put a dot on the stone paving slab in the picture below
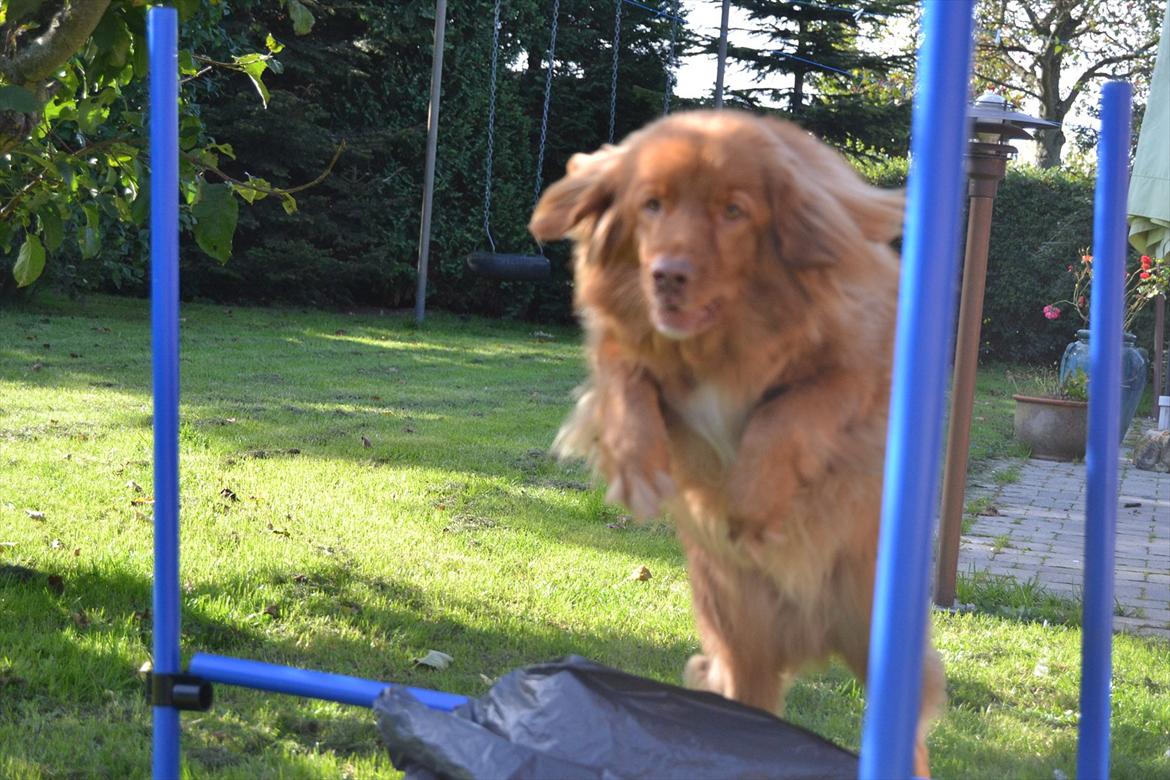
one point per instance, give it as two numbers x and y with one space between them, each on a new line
1033 529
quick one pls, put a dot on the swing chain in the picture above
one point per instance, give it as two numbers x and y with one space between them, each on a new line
613 82
670 60
491 129
548 77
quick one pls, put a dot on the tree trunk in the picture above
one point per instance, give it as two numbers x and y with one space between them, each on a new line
1050 142
34 61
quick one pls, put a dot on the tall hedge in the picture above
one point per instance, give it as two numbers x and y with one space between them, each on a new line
1042 223
362 76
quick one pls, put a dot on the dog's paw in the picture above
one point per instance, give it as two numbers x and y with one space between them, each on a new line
697 672
643 493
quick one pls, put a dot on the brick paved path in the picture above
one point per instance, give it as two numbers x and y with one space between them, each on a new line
1034 528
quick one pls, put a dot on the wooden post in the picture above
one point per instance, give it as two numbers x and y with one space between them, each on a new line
988 163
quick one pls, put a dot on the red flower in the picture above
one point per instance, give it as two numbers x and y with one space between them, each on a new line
1144 275
1051 312
1070 269
1147 263
1086 259
1081 301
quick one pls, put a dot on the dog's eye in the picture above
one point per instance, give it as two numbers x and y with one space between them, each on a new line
733 211
653 205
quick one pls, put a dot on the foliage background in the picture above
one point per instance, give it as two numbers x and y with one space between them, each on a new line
361 77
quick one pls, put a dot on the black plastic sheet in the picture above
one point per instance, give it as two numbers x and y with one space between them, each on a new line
574 719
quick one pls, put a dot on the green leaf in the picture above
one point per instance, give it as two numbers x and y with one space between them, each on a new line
273 45
52 228
302 17
289 203
30 262
89 238
187 66
91 115
254 65
225 149
187 8
19 99
253 190
216 213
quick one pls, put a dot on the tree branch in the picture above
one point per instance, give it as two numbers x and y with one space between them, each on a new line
66 32
269 190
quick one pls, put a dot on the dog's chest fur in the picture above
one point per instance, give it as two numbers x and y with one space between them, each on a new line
713 414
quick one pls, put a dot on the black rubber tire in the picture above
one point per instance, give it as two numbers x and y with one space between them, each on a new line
509 268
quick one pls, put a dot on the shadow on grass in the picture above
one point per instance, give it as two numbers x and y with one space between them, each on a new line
325 617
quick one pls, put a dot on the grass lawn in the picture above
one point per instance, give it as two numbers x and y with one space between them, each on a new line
356 492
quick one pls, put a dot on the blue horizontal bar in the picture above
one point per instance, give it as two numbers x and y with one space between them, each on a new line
306 682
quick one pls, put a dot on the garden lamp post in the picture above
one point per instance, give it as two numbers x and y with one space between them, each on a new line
992 125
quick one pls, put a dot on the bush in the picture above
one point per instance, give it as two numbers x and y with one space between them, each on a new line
1042 222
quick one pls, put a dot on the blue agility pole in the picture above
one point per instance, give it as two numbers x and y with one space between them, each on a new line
162 31
930 262
1105 314
305 682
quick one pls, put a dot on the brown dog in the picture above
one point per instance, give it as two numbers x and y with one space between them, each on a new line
737 287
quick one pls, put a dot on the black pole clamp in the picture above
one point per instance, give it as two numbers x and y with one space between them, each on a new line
181 691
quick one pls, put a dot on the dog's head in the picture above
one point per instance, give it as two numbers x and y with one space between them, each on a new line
704 203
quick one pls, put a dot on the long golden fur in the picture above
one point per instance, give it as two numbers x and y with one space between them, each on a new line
738 291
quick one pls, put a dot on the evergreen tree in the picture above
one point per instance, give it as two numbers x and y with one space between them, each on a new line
824 66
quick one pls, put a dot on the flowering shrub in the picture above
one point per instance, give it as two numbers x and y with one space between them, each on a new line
1149 279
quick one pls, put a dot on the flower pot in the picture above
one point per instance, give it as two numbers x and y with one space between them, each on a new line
1133 372
1055 429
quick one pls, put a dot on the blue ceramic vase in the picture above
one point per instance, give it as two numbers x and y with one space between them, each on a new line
1133 371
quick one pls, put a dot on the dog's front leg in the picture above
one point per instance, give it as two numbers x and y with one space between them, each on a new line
790 441
633 441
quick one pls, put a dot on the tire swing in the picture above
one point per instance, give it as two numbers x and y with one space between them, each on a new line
498 265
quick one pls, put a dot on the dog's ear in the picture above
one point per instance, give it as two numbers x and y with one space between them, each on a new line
823 208
587 190
811 228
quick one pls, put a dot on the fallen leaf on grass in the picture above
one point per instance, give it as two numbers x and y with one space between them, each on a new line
37 366
272 610
229 494
76 552
55 544
142 501
641 574
300 578
34 514
434 660
134 486
277 531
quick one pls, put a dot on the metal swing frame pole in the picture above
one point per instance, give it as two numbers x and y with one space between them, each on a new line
721 63
424 238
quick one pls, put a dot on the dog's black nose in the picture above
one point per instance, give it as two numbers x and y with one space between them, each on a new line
671 275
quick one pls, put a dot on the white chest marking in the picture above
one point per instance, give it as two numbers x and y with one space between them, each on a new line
709 414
